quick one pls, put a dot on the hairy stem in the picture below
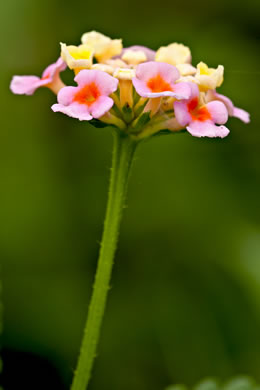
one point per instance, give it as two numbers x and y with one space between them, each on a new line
123 152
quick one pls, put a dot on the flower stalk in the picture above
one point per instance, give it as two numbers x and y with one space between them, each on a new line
123 152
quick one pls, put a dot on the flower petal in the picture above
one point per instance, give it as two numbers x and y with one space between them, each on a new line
207 129
66 95
106 83
54 69
218 112
236 112
181 113
74 110
26 85
182 91
241 114
150 69
101 106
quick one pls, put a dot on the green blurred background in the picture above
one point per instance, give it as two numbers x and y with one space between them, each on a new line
185 297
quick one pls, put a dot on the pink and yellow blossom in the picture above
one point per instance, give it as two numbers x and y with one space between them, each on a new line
27 85
136 89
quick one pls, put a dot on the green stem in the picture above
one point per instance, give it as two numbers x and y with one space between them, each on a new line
124 148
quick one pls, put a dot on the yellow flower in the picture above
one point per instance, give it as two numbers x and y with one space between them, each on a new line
125 76
77 57
103 46
175 53
134 57
209 78
186 69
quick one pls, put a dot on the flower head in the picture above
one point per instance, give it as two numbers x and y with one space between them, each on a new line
27 85
157 79
137 90
90 99
201 119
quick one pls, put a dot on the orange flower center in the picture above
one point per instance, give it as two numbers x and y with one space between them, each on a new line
158 84
198 114
45 77
87 95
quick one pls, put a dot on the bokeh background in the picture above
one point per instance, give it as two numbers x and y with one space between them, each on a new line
185 297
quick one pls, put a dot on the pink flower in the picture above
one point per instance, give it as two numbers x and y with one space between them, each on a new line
157 79
239 113
199 119
90 99
27 85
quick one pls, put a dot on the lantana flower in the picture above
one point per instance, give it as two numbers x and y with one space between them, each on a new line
174 54
209 78
201 119
77 57
158 79
134 57
136 89
90 99
103 46
125 76
27 85
147 53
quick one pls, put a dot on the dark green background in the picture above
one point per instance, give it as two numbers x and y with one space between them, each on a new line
185 297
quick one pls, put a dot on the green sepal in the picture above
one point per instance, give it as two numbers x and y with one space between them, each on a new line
140 122
167 132
136 97
140 109
116 111
127 113
99 124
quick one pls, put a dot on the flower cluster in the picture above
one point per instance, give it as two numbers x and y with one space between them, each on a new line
136 89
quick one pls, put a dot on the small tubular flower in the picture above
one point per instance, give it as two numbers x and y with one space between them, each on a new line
125 76
134 57
77 57
149 53
104 68
90 99
209 78
201 120
174 54
186 69
104 47
157 79
232 110
27 85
